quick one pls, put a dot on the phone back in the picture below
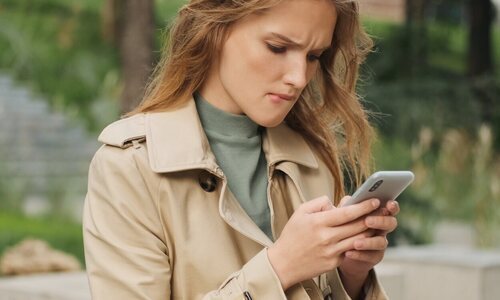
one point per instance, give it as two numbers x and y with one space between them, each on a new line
383 185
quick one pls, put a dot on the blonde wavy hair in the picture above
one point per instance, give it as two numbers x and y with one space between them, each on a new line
328 114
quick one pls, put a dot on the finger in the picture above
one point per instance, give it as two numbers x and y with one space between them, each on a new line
322 203
393 207
384 223
343 215
372 243
352 229
344 200
348 243
371 257
368 233
344 245
381 211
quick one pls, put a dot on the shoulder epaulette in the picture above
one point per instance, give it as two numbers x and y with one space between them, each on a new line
125 132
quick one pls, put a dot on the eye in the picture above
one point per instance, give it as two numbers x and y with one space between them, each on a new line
312 57
276 49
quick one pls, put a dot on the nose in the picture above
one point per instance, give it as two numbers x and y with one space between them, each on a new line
297 74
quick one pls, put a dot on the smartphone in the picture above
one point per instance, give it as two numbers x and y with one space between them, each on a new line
383 185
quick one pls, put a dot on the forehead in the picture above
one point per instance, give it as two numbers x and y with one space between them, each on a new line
302 20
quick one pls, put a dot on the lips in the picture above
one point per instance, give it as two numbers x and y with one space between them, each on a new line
285 97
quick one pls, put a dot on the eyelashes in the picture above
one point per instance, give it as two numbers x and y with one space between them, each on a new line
280 50
311 57
276 49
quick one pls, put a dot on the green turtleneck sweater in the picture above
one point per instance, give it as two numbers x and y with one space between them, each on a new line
237 145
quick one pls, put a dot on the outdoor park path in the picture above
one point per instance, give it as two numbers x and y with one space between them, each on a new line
54 286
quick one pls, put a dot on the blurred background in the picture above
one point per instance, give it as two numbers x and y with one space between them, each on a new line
69 67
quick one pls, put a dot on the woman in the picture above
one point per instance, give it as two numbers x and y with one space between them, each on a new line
222 183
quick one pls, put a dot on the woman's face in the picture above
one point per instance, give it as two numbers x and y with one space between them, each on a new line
269 58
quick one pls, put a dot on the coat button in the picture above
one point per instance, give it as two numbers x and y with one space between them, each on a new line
208 181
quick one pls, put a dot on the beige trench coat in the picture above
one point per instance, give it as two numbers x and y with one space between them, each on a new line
161 223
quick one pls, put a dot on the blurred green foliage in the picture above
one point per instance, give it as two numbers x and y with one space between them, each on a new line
430 120
166 9
445 50
418 216
56 46
457 178
435 93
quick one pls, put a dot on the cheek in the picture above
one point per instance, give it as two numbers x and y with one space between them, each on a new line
251 62
262 63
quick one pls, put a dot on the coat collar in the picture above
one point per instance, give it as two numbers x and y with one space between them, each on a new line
176 141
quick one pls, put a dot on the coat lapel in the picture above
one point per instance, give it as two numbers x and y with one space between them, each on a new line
281 143
176 141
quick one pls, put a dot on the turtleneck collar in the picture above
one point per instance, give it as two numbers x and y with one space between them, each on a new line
224 123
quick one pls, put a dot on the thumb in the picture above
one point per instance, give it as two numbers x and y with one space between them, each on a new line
322 203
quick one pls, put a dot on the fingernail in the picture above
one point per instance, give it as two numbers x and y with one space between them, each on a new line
375 202
370 221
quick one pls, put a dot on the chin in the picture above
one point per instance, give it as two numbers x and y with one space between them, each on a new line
269 123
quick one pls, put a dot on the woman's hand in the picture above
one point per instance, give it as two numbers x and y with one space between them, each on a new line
316 237
369 250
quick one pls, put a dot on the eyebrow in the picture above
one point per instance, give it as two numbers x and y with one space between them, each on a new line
292 42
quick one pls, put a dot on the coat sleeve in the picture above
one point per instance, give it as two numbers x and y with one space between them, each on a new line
256 280
372 289
125 250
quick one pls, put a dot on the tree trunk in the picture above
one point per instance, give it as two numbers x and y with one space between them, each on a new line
129 24
417 34
480 60
481 16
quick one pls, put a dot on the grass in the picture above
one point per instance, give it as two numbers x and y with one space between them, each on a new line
61 234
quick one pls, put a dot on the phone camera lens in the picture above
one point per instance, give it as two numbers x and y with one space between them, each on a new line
376 185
